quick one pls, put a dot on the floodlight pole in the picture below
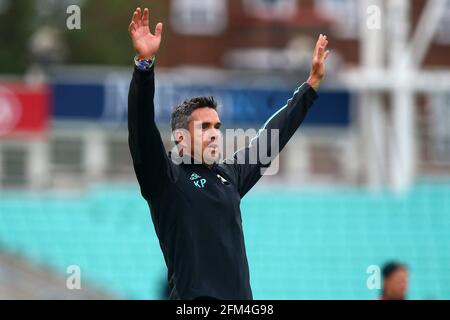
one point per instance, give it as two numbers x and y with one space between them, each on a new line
402 151
371 114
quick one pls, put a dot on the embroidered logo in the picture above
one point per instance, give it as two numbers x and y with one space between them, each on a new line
198 181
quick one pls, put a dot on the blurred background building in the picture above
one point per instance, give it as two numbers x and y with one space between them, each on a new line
365 180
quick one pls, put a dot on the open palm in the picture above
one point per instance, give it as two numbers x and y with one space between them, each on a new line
320 55
145 43
318 62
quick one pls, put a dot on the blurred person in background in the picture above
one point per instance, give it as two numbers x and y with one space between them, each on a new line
395 281
195 206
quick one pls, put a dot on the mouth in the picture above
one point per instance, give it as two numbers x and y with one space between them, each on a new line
213 148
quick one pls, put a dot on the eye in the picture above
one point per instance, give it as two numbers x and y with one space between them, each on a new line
205 125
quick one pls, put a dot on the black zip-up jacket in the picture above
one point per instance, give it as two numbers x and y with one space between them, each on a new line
195 209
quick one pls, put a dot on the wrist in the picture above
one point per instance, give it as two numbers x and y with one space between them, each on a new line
144 63
314 82
140 57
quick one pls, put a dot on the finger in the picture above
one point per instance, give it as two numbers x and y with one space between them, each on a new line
158 29
321 51
326 52
323 45
316 49
131 26
145 17
138 20
322 41
135 17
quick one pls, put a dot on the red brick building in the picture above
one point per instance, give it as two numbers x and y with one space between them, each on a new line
219 32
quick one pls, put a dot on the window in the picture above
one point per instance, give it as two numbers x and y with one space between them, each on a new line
344 12
271 8
14 166
119 163
199 17
443 32
67 155
440 131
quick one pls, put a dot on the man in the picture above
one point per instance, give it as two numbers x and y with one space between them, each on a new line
395 281
195 204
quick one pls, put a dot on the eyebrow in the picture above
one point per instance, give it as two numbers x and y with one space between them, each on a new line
218 124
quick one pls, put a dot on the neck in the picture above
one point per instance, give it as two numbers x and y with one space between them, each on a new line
192 159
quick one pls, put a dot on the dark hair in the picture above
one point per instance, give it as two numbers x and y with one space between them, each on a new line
390 267
182 113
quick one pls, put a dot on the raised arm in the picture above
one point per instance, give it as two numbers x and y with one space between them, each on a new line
149 156
247 162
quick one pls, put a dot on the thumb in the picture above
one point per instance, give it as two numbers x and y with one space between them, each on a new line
158 29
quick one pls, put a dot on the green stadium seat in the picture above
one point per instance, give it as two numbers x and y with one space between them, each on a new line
314 245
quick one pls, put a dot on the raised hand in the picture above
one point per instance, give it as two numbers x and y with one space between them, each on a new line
145 43
318 62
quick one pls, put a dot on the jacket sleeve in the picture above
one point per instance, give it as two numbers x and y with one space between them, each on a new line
150 160
249 163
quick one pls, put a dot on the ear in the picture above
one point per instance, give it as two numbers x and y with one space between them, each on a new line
180 137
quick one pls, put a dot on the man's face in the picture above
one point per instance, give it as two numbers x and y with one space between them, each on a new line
397 284
204 130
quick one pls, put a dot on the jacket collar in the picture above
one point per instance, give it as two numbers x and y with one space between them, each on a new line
187 160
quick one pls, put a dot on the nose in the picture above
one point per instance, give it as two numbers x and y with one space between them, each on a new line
214 134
